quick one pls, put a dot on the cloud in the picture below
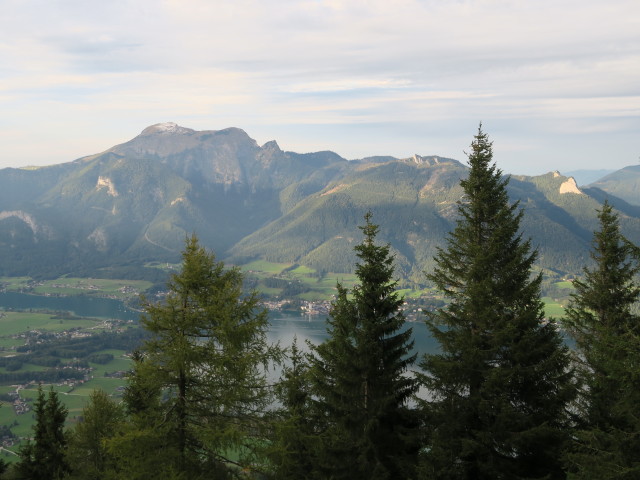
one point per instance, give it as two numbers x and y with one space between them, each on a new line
337 66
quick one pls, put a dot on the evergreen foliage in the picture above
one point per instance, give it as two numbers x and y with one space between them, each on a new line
207 355
87 452
295 441
602 319
500 386
360 379
43 458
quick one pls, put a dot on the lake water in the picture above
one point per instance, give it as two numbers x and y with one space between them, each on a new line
80 305
283 326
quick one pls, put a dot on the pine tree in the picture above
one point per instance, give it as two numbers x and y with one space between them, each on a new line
44 457
360 376
603 321
208 353
500 385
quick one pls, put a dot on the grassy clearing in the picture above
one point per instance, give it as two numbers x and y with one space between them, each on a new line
109 385
8 343
27 367
264 267
314 296
409 293
302 270
92 286
552 308
119 363
12 323
320 288
271 292
164 266
14 284
564 284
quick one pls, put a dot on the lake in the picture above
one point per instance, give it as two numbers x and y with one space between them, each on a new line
80 305
283 326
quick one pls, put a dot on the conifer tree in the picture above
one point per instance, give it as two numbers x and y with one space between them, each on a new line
44 457
293 449
87 452
360 376
500 385
208 353
602 318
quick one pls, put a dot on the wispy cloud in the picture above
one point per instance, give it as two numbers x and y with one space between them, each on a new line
418 73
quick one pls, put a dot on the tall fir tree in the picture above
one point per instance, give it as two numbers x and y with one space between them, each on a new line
44 457
602 319
500 386
360 377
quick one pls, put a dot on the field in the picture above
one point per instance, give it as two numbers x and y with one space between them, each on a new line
564 284
12 323
553 308
121 289
311 286
19 327
15 284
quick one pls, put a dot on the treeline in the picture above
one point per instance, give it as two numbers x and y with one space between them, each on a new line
503 397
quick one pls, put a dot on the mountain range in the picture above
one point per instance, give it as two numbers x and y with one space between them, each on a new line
120 212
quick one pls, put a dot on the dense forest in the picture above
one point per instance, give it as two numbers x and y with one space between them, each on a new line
503 398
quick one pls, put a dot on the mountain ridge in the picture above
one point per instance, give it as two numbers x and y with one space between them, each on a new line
134 203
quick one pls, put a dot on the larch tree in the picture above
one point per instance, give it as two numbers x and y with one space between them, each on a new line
87 450
360 376
208 354
602 318
499 388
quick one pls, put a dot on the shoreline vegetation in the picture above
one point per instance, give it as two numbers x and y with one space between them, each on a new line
281 287
24 326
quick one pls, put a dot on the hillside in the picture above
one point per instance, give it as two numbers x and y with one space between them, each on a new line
115 213
624 183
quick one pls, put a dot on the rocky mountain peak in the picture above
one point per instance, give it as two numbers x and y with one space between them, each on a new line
430 160
272 146
570 186
165 128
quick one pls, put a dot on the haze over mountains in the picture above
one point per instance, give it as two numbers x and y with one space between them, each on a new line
112 213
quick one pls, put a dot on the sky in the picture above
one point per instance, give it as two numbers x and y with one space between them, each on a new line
555 83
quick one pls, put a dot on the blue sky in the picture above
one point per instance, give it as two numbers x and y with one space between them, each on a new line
556 83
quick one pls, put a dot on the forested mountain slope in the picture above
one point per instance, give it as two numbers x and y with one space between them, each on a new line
112 213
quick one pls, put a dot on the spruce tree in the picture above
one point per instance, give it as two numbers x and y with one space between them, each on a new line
44 457
360 377
602 319
498 389
294 445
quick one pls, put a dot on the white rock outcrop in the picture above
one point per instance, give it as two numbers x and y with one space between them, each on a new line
570 186
25 217
105 182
